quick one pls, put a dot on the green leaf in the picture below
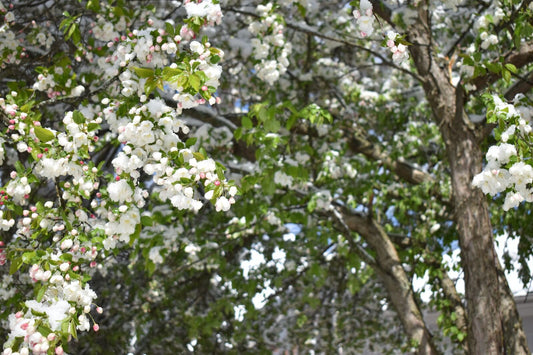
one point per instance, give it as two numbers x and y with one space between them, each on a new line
246 122
272 125
16 263
93 5
269 187
150 85
44 330
150 267
43 134
41 292
511 68
169 28
93 127
136 234
238 133
65 325
147 221
169 72
302 319
190 142
262 113
72 329
198 156
143 72
506 75
28 256
78 117
493 67
195 82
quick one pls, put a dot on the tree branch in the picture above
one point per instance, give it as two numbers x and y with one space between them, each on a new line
314 32
519 59
393 276
523 85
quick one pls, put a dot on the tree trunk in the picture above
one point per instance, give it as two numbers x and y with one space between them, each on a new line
478 256
390 271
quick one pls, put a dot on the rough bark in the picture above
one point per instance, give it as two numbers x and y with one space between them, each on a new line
514 337
391 272
475 238
479 261
471 211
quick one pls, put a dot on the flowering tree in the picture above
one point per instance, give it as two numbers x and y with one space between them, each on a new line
353 134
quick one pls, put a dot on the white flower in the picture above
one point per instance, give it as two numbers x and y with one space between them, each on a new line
282 179
206 166
492 181
9 17
197 47
365 5
77 91
155 255
434 228
498 155
51 168
84 323
120 191
222 204
323 200
366 25
512 200
128 223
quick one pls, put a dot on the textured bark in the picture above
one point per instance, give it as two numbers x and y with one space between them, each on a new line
478 256
515 341
476 241
393 276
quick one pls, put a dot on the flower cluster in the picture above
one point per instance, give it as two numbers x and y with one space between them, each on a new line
365 18
506 168
399 50
130 81
483 23
270 47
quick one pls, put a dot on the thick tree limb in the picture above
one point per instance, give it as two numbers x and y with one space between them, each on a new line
519 59
522 86
394 278
359 144
479 260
